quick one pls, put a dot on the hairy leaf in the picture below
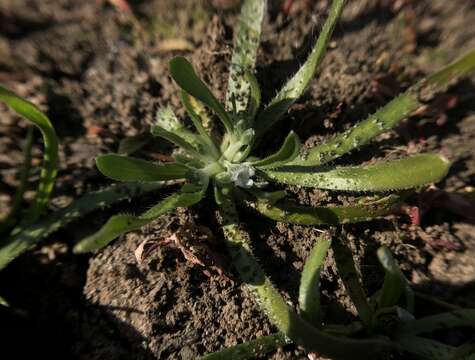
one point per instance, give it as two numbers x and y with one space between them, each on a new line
309 290
125 168
117 225
27 237
296 86
389 115
244 55
250 349
184 75
331 215
177 140
401 174
286 320
50 157
288 151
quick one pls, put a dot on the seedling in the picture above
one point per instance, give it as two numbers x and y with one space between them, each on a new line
227 162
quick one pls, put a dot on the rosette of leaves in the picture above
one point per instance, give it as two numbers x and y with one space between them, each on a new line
225 161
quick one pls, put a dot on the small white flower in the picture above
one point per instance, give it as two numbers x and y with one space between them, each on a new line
242 175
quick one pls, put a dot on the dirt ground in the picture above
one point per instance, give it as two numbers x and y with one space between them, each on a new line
100 76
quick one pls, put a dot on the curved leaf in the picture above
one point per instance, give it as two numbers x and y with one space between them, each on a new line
287 152
389 115
125 168
30 235
50 157
184 75
117 225
401 174
330 215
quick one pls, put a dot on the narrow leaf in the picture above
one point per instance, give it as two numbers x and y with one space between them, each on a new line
29 236
288 151
184 75
255 97
177 140
297 85
50 157
120 224
330 215
348 274
244 55
391 114
401 174
309 291
395 283
198 122
269 299
125 168
250 349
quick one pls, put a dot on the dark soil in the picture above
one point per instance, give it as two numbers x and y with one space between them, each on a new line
100 77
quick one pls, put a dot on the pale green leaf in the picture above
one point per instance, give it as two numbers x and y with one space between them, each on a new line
401 174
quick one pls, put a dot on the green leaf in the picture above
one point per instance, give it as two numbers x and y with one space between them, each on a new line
269 299
117 225
178 141
309 291
297 85
389 115
395 283
270 115
50 157
330 215
288 151
198 123
255 97
401 174
24 238
244 55
167 120
125 168
184 75
250 349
